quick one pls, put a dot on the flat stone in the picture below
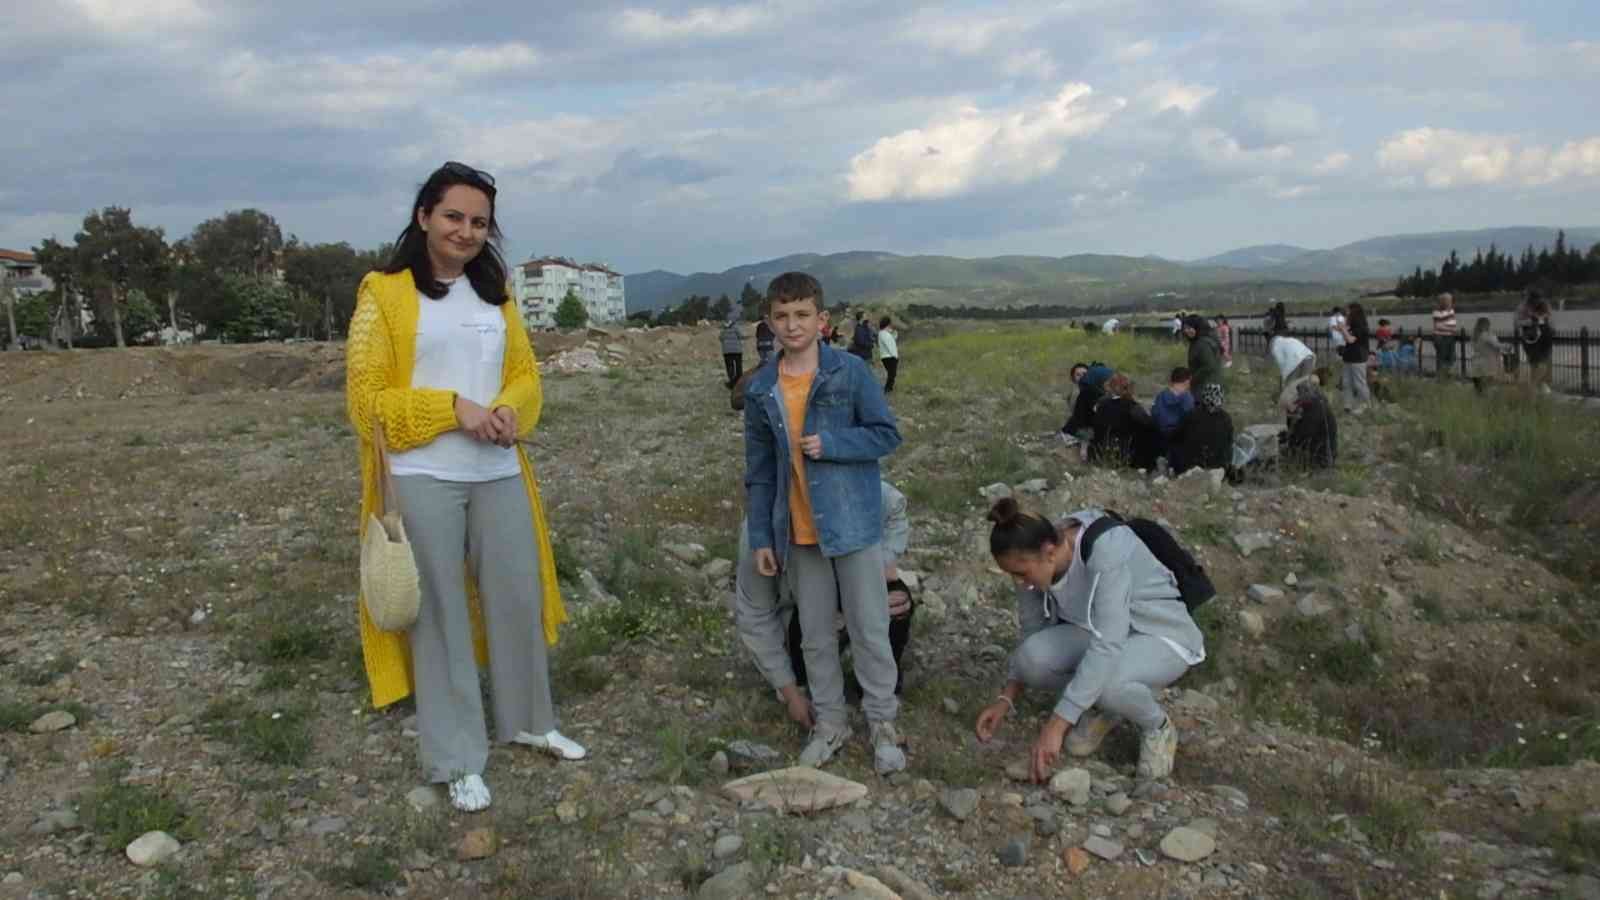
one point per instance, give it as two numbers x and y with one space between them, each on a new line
959 802
1206 825
1188 845
733 883
795 789
689 553
329 825
1250 542
866 887
909 888
1105 848
1252 623
727 845
1033 486
1232 795
1118 803
152 849
423 798
479 843
1264 593
1072 785
1312 606
997 491
52 721
1014 853
1077 860
55 821
13 878
1019 770
744 755
718 569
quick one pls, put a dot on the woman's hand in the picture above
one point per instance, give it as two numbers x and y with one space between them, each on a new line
989 720
1047 747
506 417
476 421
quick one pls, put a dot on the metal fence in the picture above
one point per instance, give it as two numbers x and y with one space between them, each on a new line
1573 358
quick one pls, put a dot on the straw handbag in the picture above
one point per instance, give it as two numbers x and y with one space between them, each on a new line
389 583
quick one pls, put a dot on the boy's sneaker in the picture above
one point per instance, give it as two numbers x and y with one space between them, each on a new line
469 794
553 742
824 743
1157 750
1093 726
888 756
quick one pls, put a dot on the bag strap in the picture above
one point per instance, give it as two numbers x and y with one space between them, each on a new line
386 496
1096 528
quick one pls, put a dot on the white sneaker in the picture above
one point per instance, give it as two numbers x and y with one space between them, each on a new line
824 743
1157 750
469 794
553 742
887 755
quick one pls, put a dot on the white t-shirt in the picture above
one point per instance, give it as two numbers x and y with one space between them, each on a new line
887 348
1110 326
1335 322
1289 353
461 347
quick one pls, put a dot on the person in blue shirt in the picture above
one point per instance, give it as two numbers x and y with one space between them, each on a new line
1170 408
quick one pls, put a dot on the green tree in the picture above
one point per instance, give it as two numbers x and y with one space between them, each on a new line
327 274
256 309
750 303
241 242
114 257
571 313
32 313
59 262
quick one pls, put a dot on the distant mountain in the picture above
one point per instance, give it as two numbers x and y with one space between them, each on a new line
877 277
1399 254
1261 256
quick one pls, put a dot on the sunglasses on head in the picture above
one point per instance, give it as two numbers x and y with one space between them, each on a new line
466 171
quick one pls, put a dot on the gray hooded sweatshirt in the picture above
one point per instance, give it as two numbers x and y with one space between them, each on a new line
1123 590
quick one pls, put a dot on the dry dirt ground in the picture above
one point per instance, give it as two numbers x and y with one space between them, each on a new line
1414 717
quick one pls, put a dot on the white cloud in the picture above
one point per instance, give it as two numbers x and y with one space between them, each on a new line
1279 118
1333 162
1186 98
974 147
1445 158
141 16
1295 191
1221 150
1134 52
700 22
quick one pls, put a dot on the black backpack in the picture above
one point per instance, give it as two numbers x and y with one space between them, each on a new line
1193 584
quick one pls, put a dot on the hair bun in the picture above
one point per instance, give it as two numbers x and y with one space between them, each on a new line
1005 511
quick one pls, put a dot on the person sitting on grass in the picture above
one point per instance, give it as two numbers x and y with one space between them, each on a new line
1205 439
1169 409
816 425
1312 440
1124 433
1090 379
1103 634
764 612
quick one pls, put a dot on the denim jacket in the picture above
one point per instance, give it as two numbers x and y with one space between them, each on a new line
846 409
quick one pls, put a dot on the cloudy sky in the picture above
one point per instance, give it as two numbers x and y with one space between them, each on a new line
698 137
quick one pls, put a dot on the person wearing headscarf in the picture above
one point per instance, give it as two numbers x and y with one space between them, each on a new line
1205 353
1313 438
1206 435
1124 431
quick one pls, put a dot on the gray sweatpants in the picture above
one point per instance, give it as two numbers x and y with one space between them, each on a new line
490 525
1356 392
821 585
1050 656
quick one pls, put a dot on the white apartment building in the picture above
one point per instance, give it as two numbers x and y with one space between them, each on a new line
21 271
540 284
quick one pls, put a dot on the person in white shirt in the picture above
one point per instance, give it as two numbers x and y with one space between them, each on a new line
1295 363
1336 329
1109 326
888 352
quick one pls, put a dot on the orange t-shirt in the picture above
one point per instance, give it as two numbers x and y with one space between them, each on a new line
796 389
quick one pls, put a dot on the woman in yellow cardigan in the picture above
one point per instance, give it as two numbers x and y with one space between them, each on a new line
440 360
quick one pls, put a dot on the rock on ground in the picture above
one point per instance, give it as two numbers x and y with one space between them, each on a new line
1105 848
1071 784
1250 542
1188 845
796 789
733 883
152 848
55 720
1252 623
1264 593
1077 860
959 802
479 843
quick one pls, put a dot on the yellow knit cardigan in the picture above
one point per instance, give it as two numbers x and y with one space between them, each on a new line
379 358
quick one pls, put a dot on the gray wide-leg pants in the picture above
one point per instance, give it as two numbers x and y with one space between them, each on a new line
487 525
1050 656
820 585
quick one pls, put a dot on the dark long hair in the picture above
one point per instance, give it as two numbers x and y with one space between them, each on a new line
486 271
1018 531
1358 320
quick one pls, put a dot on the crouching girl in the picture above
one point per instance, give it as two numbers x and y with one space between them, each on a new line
1104 633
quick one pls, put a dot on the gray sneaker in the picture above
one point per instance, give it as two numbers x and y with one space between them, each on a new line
888 757
1157 750
824 743
1085 738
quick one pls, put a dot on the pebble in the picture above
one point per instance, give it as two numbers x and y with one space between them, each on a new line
1312 606
664 807
720 764
1118 803
733 883
1071 784
152 848
55 720
423 798
1014 853
727 845
329 825
1291 579
479 843
1252 623
951 706
1188 845
1105 848
54 821
12 878
1264 593
718 569
1232 795
959 802
1250 542
997 491
1204 826
1076 859
566 812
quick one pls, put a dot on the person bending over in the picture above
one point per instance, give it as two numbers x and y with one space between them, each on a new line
1103 635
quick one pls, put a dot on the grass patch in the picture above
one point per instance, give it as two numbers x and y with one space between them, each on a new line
17 715
121 812
573 676
1423 546
774 843
371 867
682 755
1574 838
1316 559
274 736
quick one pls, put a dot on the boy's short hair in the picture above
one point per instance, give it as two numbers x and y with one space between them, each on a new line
883 322
1383 321
794 286
1180 375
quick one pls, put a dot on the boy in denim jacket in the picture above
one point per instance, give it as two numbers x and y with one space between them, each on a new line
815 426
